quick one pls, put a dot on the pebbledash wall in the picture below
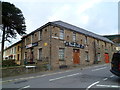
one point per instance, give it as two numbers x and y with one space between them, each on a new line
62 44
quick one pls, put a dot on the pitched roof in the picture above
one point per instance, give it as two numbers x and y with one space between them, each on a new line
13 44
80 30
72 28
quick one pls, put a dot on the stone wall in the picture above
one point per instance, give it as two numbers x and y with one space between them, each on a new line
14 71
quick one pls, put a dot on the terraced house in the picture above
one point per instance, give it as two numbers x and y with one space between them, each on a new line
14 52
62 44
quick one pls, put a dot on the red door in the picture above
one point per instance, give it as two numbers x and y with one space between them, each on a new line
106 58
76 56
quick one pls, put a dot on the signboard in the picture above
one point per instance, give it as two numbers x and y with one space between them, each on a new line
74 44
32 45
29 45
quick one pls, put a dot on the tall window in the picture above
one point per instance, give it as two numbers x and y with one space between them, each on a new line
98 43
25 55
18 48
74 36
86 56
15 50
85 39
105 45
61 54
18 57
98 56
61 34
40 54
40 34
32 38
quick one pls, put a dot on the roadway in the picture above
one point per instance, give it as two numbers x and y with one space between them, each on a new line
97 76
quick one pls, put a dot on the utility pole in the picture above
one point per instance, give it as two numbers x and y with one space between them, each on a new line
50 46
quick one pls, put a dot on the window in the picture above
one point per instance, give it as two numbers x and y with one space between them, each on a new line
74 36
86 40
67 37
12 50
40 54
105 45
86 56
98 56
25 55
97 42
61 34
40 34
18 57
15 50
61 54
32 38
18 48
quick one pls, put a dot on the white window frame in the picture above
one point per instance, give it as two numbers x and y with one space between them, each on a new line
39 54
61 54
86 56
86 39
40 35
61 34
74 36
98 57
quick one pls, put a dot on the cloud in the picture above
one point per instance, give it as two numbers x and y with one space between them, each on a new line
59 13
84 19
87 5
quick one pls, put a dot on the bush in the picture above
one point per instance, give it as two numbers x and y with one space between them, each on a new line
10 62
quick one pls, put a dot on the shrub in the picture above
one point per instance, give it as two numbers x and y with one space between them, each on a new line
9 62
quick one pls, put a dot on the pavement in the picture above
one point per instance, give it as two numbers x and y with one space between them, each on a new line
96 76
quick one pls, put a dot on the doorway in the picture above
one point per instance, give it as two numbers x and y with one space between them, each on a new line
106 57
76 56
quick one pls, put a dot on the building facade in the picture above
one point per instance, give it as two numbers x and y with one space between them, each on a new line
116 39
62 44
14 52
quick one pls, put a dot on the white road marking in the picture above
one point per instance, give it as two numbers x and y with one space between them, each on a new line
99 69
63 77
36 76
112 76
41 75
92 85
111 86
105 79
27 86
24 87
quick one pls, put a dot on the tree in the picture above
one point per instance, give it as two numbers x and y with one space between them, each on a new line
13 22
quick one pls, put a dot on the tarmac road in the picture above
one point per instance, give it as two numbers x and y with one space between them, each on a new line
90 77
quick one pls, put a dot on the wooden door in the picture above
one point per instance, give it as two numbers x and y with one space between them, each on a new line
76 56
106 58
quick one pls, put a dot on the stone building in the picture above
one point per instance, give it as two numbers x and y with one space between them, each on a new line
62 44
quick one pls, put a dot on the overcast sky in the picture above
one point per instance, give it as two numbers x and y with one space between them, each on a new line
98 16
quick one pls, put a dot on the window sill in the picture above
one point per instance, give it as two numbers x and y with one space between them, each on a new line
87 60
61 60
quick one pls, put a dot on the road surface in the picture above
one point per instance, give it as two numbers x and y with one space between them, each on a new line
97 76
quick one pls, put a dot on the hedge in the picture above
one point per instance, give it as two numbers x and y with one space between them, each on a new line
10 62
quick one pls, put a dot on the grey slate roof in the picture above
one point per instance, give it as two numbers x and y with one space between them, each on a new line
80 30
